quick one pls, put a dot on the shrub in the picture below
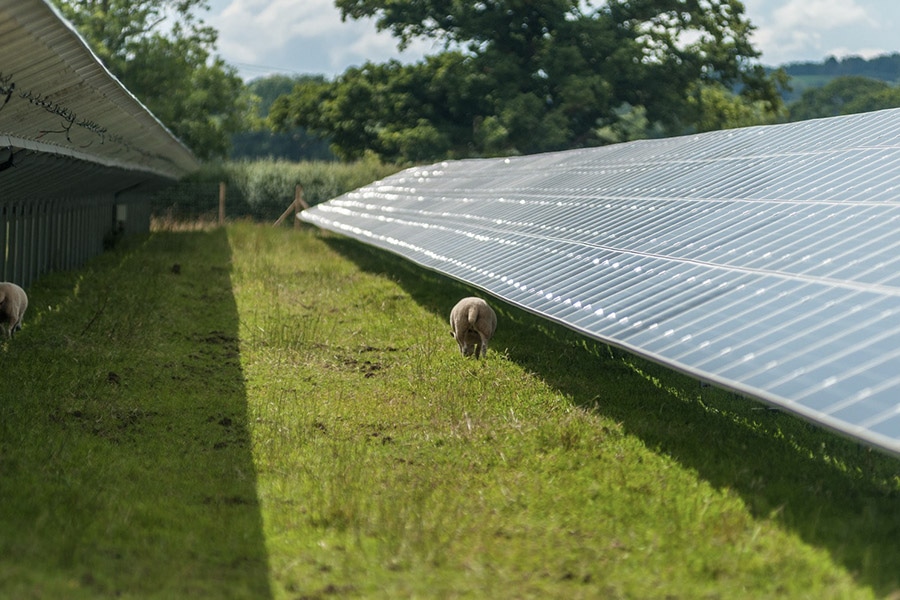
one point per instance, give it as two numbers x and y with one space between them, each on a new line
263 189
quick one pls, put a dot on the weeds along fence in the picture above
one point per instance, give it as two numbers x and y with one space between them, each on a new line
260 190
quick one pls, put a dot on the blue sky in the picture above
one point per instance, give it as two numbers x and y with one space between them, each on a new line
262 37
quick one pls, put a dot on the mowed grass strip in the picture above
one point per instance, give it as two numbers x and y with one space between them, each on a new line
390 466
285 415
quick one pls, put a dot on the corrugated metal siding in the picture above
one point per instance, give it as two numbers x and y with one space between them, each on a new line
766 259
48 235
63 101
77 150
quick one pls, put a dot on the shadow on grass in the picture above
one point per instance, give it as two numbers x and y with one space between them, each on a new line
125 459
831 492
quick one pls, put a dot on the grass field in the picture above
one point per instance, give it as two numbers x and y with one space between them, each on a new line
285 415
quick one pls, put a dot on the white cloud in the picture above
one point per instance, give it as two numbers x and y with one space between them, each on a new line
821 15
249 30
301 37
813 29
308 36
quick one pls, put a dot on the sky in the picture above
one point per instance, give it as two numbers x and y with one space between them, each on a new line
298 37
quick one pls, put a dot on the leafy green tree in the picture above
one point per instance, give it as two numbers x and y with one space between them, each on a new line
259 141
524 76
879 100
843 96
400 112
717 107
163 53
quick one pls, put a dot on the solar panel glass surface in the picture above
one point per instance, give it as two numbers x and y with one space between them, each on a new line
765 260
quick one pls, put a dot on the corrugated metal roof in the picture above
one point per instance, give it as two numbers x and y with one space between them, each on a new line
56 98
765 260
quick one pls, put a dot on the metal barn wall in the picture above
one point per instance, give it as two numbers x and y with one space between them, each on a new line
80 156
40 236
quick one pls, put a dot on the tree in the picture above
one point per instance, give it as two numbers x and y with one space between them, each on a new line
885 67
518 76
163 53
258 140
843 96
717 107
400 112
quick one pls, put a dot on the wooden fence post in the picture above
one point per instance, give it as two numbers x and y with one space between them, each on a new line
222 203
294 208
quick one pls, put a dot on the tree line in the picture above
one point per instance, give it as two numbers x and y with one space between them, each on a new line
885 67
514 77
522 77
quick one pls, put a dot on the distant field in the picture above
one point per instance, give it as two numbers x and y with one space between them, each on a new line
285 415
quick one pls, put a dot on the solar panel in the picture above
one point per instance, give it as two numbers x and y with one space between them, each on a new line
765 260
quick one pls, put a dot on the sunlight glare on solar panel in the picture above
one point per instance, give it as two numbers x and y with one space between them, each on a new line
765 260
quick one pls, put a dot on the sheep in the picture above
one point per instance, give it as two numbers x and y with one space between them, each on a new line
472 324
13 302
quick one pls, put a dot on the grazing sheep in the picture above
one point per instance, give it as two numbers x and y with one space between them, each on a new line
13 302
472 324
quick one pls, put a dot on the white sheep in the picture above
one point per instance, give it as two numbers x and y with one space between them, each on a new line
472 324
13 302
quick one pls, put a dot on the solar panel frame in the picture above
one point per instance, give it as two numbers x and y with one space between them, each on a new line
763 260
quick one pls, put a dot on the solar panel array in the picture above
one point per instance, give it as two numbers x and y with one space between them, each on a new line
764 260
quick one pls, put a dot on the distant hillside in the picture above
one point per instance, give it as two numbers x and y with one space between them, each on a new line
805 75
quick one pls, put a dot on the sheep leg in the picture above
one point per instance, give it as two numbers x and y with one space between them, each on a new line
481 350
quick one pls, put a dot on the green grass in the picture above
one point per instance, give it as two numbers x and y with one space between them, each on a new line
125 463
289 417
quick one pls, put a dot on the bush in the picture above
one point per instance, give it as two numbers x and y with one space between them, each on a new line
263 189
